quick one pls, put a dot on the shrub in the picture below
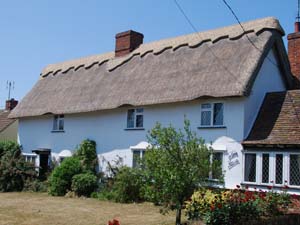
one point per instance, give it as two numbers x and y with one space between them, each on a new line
87 154
35 185
60 180
13 168
84 184
235 206
128 185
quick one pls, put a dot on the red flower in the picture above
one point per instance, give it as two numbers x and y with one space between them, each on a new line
219 205
246 186
286 186
212 207
269 187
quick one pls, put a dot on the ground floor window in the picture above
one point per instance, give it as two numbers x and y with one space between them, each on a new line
272 168
218 158
30 158
137 155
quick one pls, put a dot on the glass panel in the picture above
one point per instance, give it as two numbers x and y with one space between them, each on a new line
140 110
279 169
139 121
130 118
265 168
217 156
294 169
55 121
136 158
205 118
218 114
61 124
250 167
206 106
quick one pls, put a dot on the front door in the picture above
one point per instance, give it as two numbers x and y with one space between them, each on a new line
44 166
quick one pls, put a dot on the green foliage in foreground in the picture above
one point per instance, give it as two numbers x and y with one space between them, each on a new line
87 155
177 163
84 184
14 171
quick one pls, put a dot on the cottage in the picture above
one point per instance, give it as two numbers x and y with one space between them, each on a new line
8 126
218 79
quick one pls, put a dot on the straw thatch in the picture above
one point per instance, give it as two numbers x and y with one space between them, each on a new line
217 63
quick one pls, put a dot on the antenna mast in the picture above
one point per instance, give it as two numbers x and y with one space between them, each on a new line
10 85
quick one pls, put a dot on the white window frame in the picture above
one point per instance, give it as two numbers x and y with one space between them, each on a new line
56 122
272 168
29 157
141 155
211 110
210 176
136 113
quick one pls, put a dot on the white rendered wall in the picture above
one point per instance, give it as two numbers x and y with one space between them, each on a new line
107 128
10 133
269 79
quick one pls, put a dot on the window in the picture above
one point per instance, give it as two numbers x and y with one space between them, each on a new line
135 118
137 155
212 114
273 168
217 158
30 158
250 167
58 122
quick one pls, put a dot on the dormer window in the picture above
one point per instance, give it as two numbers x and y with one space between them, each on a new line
58 123
135 118
212 114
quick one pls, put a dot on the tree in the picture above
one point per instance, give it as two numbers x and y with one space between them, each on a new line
175 165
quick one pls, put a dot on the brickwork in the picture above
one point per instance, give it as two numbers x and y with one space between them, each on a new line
11 104
127 41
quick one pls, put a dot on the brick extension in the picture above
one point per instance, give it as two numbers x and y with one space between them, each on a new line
294 54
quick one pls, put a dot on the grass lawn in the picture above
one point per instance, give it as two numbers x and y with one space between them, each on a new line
39 209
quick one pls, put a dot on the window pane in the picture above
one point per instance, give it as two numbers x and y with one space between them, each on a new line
140 110
294 169
61 124
55 121
279 168
218 114
136 158
205 118
130 118
206 106
265 168
139 121
217 160
250 167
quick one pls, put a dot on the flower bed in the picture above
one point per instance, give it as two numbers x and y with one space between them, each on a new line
224 207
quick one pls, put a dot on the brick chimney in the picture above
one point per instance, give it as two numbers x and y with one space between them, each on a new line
11 104
294 54
127 41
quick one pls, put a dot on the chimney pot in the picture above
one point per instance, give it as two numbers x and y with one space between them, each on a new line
297 27
127 41
10 104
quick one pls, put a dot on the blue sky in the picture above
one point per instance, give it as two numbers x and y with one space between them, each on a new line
35 33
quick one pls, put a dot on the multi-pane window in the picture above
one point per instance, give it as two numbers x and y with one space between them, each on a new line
217 159
212 114
273 168
58 122
30 158
295 170
250 167
137 155
135 118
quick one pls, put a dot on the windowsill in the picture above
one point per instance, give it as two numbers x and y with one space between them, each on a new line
211 127
58 131
276 186
135 128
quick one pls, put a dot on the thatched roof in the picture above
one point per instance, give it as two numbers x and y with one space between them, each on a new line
278 122
216 63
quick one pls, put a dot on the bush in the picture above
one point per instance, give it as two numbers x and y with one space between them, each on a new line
13 168
60 180
84 184
235 206
87 155
35 185
128 185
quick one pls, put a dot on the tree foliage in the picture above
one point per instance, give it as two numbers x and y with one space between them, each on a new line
176 163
